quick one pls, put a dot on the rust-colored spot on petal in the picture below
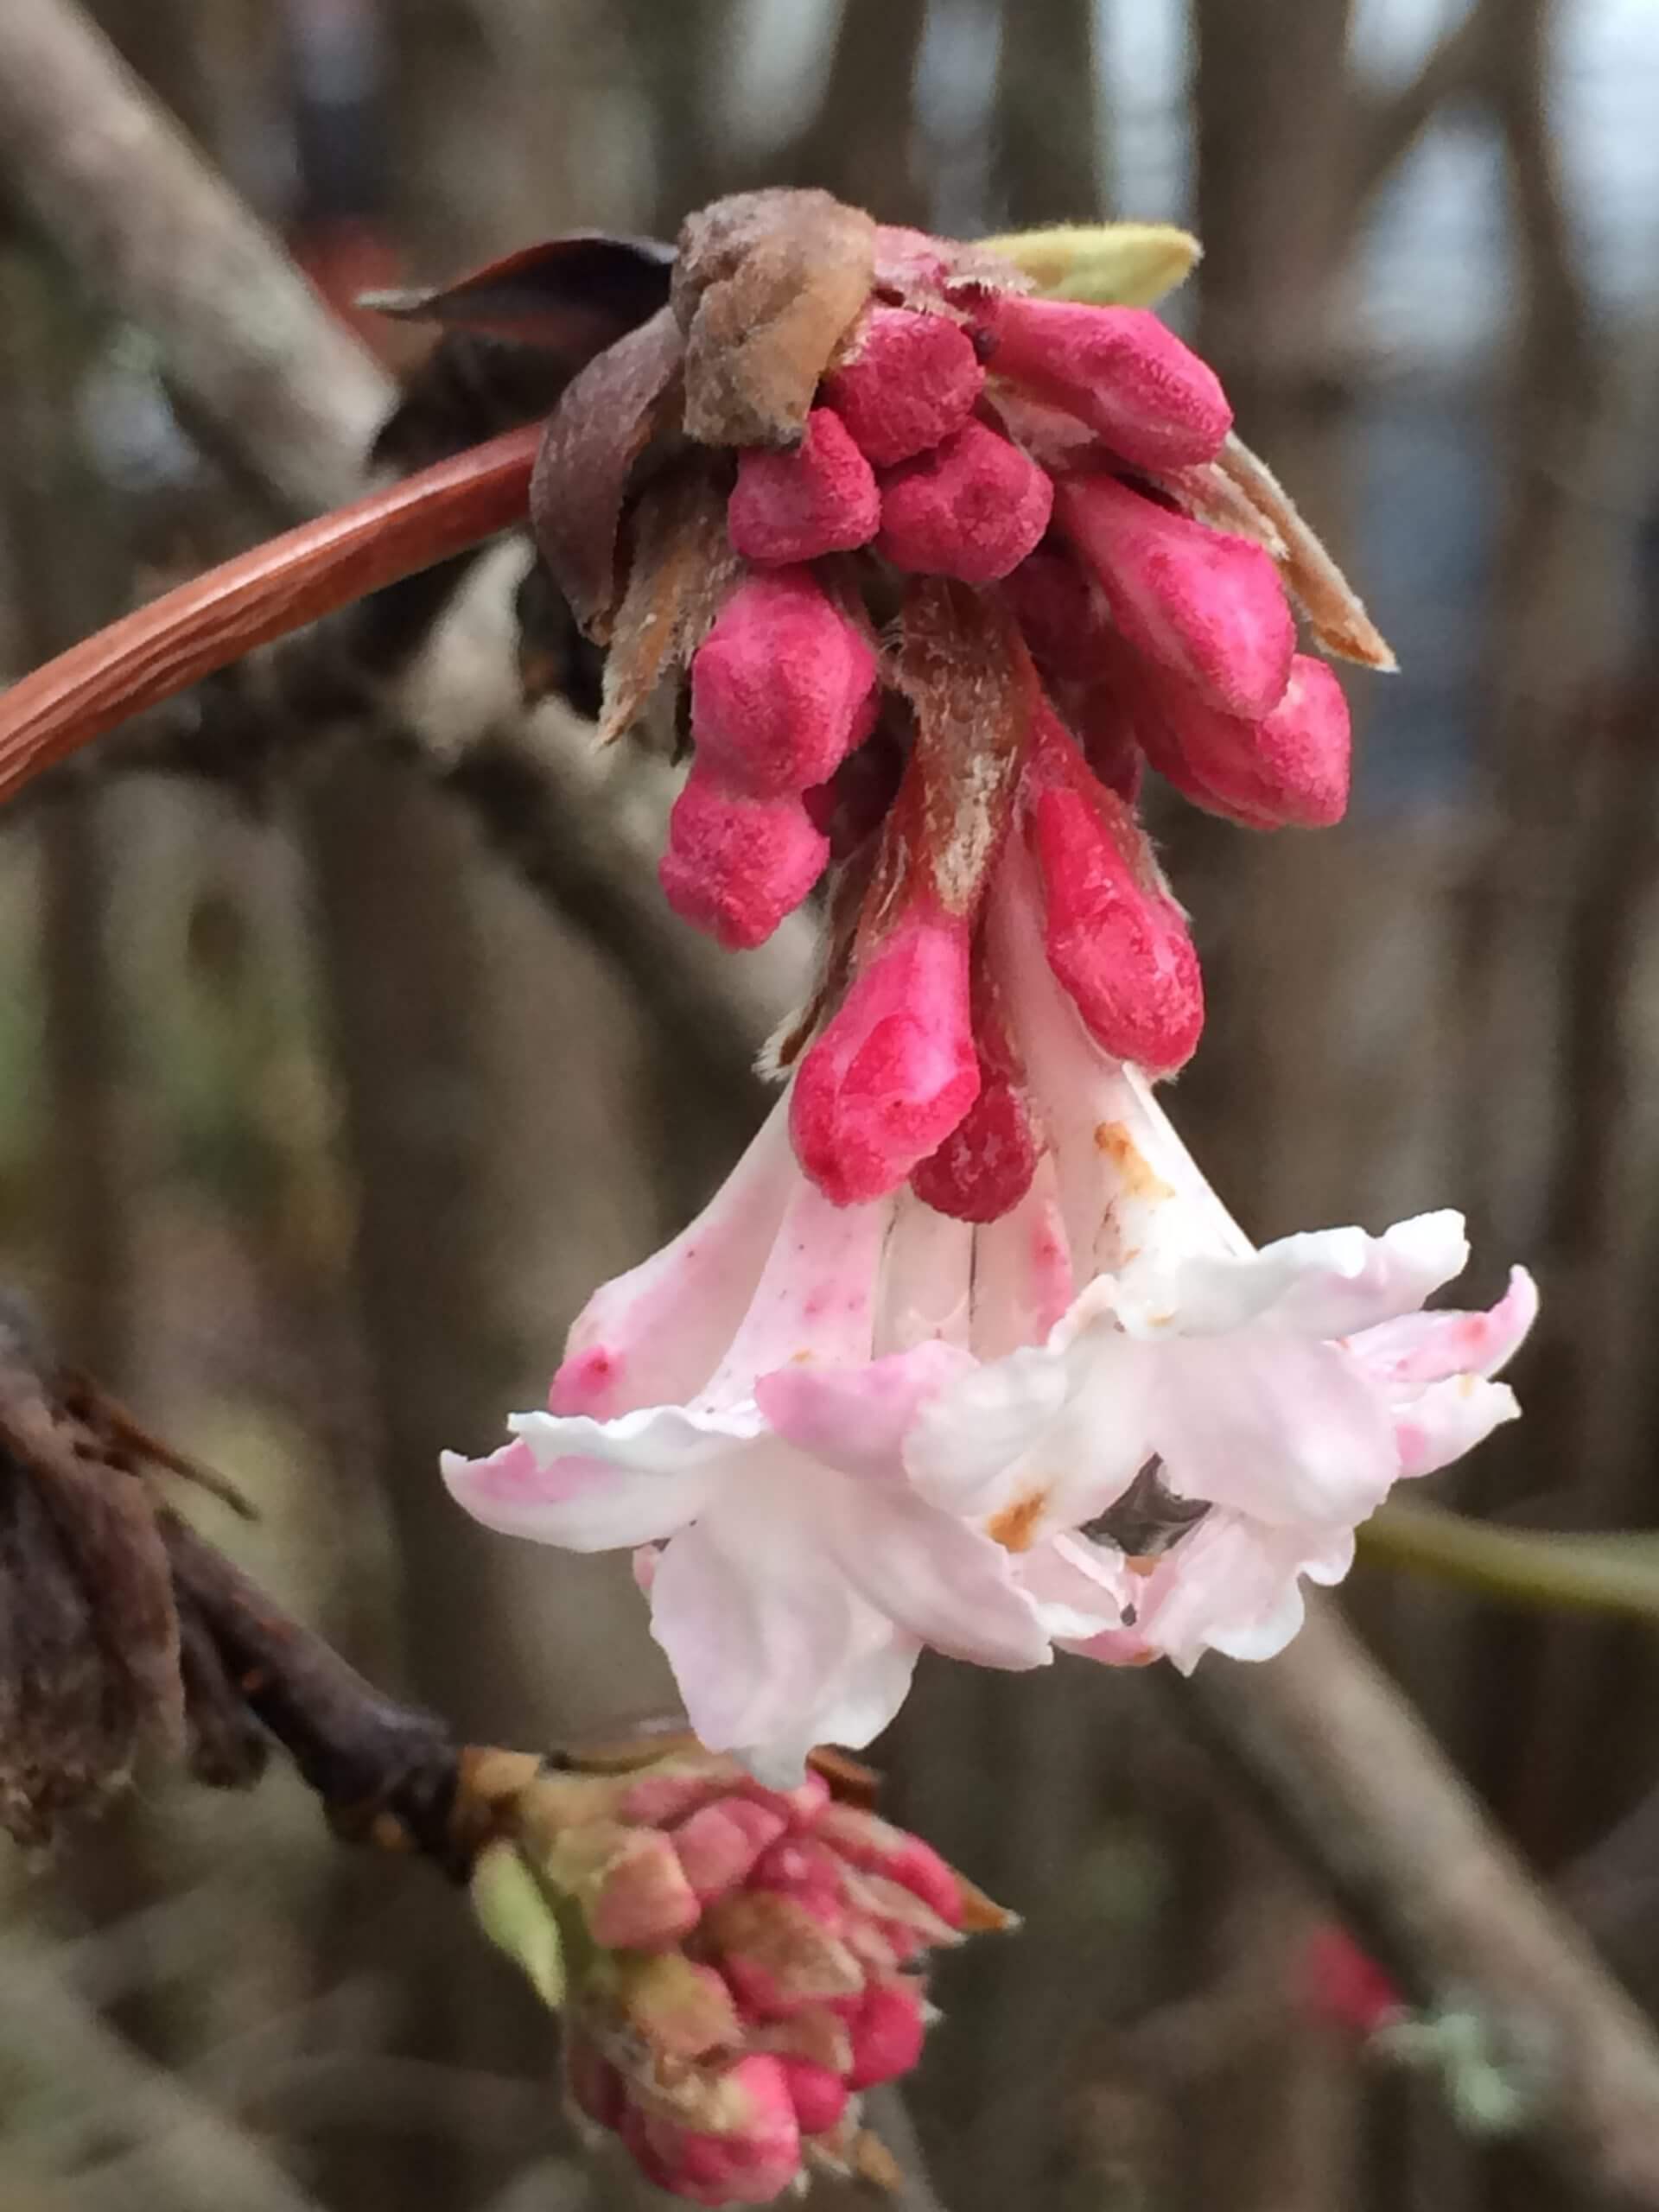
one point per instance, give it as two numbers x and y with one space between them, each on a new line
1015 1526
1138 1177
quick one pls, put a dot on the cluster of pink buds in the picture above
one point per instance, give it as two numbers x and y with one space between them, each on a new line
735 1964
946 562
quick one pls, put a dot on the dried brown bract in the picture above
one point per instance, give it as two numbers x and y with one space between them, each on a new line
767 285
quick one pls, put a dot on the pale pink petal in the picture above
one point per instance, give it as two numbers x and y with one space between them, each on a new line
1232 1587
815 1297
1328 1282
1278 1427
1448 1419
1041 1440
1421 1348
928 1278
1082 1589
1022 1273
595 1485
894 1069
934 1576
966 1442
853 1418
657 1333
772 1647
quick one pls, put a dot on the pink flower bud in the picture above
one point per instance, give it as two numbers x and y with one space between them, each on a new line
909 381
719 1844
984 1166
895 1069
638 1898
734 865
973 508
888 2028
1120 369
1114 936
1291 766
783 687
1208 604
752 2158
776 1954
1063 617
818 2095
802 1867
875 1847
820 497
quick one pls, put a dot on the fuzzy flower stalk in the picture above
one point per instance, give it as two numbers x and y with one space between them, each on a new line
734 1966
966 1354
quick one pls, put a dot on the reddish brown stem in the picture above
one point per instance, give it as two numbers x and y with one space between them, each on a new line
263 593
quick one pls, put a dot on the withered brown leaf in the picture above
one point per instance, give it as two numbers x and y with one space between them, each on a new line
570 294
514 334
680 568
595 436
767 285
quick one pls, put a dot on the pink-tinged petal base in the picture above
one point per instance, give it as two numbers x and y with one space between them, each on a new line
1119 370
895 1069
907 381
855 1418
657 1334
972 508
1207 604
820 497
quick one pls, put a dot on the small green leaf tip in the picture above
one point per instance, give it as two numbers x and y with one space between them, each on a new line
514 1911
1103 265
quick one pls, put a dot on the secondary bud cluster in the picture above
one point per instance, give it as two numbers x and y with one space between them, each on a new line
946 564
738 1963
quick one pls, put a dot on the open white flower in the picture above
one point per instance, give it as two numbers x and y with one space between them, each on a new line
1282 1392
734 1400
838 1433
